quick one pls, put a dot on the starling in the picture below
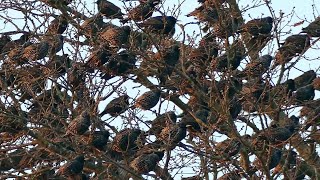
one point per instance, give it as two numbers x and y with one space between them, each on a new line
148 99
235 107
283 90
16 43
76 76
121 63
57 3
208 49
99 139
293 45
58 25
146 162
275 135
226 61
3 41
205 13
258 67
172 135
161 121
97 59
56 43
228 147
289 123
91 26
109 10
229 86
142 12
288 159
72 168
36 51
225 27
116 36
116 106
231 59
304 94
160 24
79 125
304 79
256 27
15 55
275 158
230 176
313 29
127 140
59 65
170 57
256 89
201 114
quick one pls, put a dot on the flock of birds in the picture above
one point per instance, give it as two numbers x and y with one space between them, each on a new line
114 56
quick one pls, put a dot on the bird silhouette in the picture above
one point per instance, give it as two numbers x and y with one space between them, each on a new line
116 106
313 29
72 168
141 12
160 24
109 10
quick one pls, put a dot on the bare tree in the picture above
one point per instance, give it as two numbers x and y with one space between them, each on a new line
124 90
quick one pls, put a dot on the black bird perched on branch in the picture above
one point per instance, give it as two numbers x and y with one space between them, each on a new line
79 125
97 59
127 140
257 67
3 41
148 99
304 94
169 58
293 45
116 36
304 79
205 13
59 65
72 168
257 26
16 43
57 3
58 25
161 121
313 29
109 10
116 106
142 12
172 135
91 26
36 51
228 148
226 61
275 157
274 135
160 24
120 64
146 162
99 139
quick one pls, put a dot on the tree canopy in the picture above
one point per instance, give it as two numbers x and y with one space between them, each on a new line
126 89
